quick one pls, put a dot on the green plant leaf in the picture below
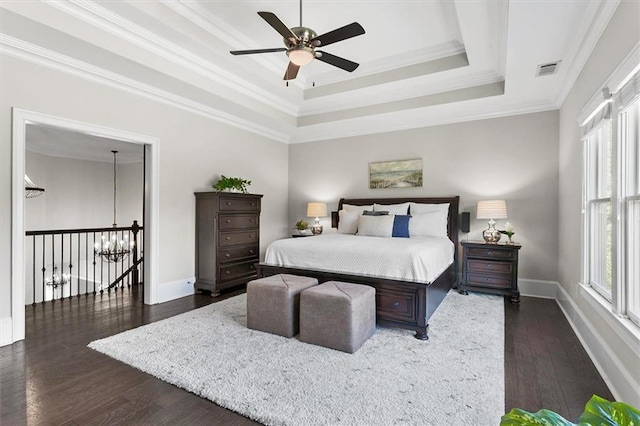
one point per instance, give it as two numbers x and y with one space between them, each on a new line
543 417
599 411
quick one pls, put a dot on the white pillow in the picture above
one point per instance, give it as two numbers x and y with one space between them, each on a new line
419 208
348 223
392 208
375 226
359 209
432 224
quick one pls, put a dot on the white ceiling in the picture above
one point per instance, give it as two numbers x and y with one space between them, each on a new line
422 63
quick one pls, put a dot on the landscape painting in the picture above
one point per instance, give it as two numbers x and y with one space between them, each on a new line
395 174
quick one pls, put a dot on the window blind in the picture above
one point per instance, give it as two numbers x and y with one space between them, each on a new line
628 93
602 113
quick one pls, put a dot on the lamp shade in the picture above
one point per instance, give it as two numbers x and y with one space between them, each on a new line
316 209
492 209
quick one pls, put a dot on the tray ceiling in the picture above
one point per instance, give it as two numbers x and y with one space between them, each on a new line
422 63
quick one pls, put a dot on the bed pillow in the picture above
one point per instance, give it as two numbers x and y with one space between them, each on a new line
375 213
420 208
375 226
401 226
402 208
432 224
348 223
354 208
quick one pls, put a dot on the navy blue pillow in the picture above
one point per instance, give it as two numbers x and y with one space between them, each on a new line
401 226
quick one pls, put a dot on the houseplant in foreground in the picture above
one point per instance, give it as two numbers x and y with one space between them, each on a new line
231 184
598 411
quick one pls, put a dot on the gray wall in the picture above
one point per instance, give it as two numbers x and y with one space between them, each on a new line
79 194
193 151
512 158
620 37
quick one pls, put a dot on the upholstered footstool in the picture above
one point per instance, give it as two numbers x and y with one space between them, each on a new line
273 303
338 315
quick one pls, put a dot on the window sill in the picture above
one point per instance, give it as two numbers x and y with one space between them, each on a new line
628 331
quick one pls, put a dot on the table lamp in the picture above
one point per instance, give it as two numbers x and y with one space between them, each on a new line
316 210
491 209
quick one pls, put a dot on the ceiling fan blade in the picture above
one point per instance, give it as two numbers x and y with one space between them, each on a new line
250 52
337 61
352 30
292 71
277 25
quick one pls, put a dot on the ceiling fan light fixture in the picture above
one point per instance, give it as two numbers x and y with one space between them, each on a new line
301 55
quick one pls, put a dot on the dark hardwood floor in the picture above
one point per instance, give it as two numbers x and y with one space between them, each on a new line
52 378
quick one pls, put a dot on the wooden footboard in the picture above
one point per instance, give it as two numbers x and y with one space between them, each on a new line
402 304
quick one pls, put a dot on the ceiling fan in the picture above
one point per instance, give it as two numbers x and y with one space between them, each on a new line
302 43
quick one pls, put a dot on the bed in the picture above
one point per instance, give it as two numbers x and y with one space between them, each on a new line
407 294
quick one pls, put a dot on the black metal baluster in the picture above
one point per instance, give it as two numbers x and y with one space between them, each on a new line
78 280
86 264
109 269
44 268
130 255
101 266
33 256
94 263
53 262
70 265
61 267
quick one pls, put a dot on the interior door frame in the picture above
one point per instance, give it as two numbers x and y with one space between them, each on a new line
23 117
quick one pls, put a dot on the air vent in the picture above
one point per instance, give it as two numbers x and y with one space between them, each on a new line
547 69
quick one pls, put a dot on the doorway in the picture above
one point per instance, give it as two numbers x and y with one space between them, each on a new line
22 118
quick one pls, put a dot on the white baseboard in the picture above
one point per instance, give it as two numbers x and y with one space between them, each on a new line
175 289
612 370
538 288
6 331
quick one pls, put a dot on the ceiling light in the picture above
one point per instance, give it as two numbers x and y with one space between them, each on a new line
301 55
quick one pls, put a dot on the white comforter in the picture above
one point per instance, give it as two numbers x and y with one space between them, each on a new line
406 259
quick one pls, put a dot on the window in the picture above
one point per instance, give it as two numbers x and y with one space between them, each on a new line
611 189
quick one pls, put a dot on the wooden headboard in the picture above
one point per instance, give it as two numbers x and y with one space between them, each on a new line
452 227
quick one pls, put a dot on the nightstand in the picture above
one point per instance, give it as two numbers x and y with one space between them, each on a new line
490 268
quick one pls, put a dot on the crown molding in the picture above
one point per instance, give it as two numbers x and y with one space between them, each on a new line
399 121
592 29
45 57
391 93
100 17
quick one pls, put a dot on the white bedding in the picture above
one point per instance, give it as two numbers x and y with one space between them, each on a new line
406 259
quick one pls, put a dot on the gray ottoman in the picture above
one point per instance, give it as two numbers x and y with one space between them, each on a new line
273 303
338 315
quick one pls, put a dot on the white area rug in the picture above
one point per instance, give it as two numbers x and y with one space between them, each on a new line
456 377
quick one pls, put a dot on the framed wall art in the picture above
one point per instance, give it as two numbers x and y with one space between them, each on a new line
395 174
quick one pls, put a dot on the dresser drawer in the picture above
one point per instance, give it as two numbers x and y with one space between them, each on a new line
490 253
239 221
395 305
496 281
239 204
490 266
236 271
235 253
226 239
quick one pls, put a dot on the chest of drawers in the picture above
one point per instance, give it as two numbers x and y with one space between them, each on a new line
227 239
490 268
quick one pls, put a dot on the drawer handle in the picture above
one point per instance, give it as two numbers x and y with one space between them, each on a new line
228 220
489 266
251 267
253 204
489 253
227 255
396 304
228 238
251 252
251 220
252 236
488 280
227 272
228 203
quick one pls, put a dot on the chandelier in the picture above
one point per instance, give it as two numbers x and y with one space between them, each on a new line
31 190
57 280
112 249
